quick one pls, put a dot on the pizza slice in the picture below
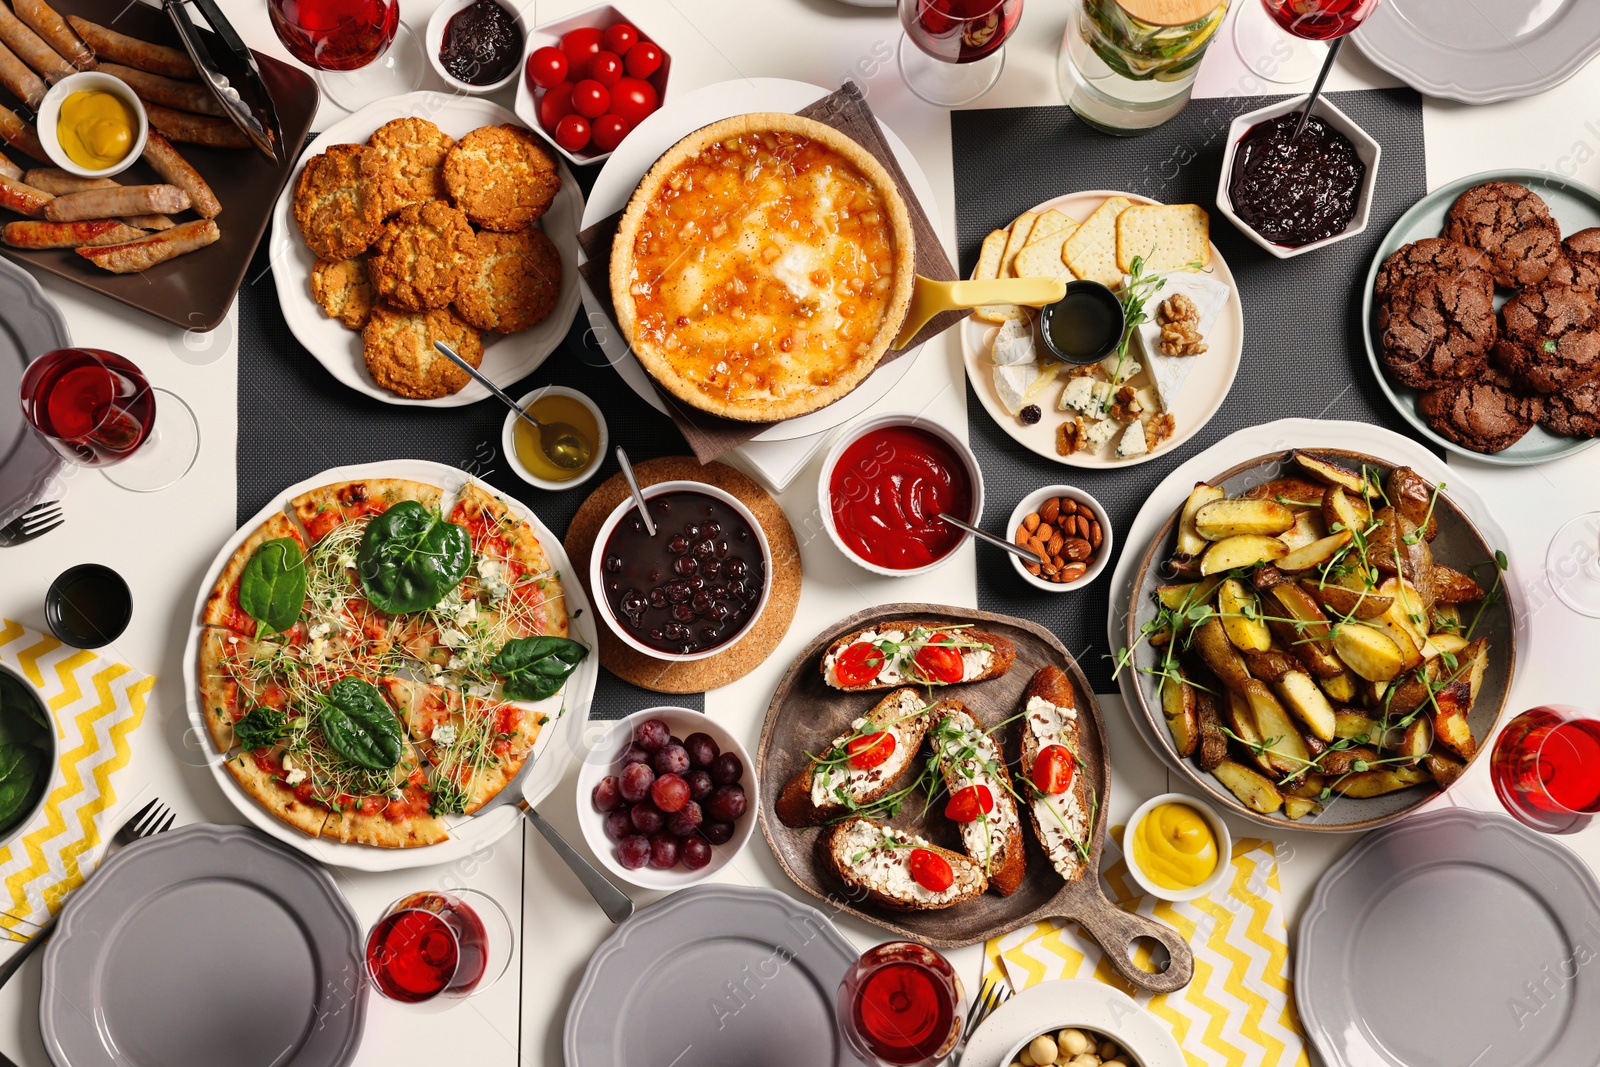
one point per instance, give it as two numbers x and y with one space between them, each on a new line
399 818
512 571
476 746
329 506
222 605
262 775
237 674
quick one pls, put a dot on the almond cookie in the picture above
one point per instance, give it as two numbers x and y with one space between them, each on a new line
335 214
514 282
344 290
398 349
1485 414
418 260
1437 328
501 177
1512 226
1551 339
403 161
1575 412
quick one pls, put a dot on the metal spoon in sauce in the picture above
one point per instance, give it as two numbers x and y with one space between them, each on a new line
1027 555
633 487
561 442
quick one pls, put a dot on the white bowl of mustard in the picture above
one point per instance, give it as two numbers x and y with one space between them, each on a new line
92 125
554 403
1178 848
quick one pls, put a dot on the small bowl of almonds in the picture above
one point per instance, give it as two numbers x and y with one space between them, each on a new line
1068 528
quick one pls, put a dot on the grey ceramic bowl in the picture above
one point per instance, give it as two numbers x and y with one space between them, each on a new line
1458 544
46 741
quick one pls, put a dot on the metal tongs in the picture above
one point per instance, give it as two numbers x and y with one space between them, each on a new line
231 72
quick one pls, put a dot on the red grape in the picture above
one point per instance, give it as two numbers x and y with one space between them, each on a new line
696 853
555 105
651 734
547 67
635 781
675 740
608 131
726 804
619 37
663 851
727 769
671 759
633 851
607 795
718 833
644 59
580 45
606 68
633 99
670 793
686 820
700 784
618 824
646 817
572 133
702 749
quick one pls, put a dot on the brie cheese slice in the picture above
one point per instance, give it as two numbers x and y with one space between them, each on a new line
1210 296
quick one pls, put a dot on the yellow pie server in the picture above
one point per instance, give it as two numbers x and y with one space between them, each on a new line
929 298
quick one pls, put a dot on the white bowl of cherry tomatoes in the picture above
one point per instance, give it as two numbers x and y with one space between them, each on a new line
588 80
664 798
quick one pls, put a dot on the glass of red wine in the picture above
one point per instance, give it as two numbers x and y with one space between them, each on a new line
901 1005
1279 39
1546 768
97 410
439 944
361 49
958 47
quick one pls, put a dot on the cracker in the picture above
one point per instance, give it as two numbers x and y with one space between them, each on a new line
989 267
1041 257
1091 251
1021 230
1168 236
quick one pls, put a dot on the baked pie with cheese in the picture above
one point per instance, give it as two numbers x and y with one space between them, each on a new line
763 267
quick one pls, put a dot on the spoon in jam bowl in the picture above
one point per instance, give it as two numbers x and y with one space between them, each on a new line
930 298
1027 555
561 442
633 487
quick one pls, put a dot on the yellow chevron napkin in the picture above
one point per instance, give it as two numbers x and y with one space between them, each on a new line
96 704
1239 1009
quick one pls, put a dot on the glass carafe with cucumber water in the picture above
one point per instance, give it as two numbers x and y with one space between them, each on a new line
1127 66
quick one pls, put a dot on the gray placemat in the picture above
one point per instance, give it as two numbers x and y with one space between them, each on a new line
1303 353
296 420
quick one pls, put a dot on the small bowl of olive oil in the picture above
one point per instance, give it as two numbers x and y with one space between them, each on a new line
549 404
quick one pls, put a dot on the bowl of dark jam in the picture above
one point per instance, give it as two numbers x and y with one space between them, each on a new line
475 45
693 588
1293 195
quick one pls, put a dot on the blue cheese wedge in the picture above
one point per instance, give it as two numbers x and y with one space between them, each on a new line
1133 442
1119 369
1078 395
1210 296
1099 435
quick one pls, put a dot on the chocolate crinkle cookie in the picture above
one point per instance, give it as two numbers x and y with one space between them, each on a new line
1437 328
1576 412
1428 258
1551 337
1485 414
1511 225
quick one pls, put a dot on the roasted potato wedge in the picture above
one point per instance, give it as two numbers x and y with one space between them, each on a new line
1315 554
1190 543
1291 492
1222 519
1416 739
1341 687
1211 644
1301 695
1395 547
1253 790
1308 527
1375 783
1451 643
1286 751
1299 807
1446 617
1213 742
1241 617
1368 652
1246 550
1355 726
1450 707
1333 474
1445 769
1310 785
1342 761
1402 636
1271 664
1451 586
1242 721
1308 636
1342 600
1412 692
1188 594
1178 707
1341 511
1412 495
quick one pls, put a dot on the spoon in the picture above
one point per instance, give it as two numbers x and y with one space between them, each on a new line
1027 555
638 497
1316 90
560 442
929 298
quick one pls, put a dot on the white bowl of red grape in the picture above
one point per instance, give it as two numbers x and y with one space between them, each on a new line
664 798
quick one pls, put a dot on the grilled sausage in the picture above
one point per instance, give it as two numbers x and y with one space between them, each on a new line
57 181
156 248
15 75
10 169
19 135
87 232
48 23
164 91
115 47
121 200
23 199
175 170
32 49
196 129
149 222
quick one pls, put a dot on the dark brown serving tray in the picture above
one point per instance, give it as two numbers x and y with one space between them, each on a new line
806 715
194 291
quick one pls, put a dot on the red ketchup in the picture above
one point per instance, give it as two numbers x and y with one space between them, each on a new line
886 489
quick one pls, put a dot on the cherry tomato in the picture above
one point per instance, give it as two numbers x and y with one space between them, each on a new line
620 36
869 750
606 68
609 130
644 59
858 664
931 870
580 45
547 67
634 99
940 661
1054 768
572 133
967 804
590 99
555 105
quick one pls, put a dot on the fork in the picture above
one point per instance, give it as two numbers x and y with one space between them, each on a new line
35 522
990 997
154 818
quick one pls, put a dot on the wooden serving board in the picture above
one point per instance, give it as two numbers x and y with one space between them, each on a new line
806 715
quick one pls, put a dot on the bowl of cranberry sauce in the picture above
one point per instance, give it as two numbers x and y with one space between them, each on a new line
883 486
694 587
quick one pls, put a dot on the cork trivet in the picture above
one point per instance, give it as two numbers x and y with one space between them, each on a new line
694 676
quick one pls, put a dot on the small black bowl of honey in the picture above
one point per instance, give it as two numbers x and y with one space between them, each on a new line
1084 326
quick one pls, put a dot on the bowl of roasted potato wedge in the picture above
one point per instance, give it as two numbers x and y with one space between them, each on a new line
1321 639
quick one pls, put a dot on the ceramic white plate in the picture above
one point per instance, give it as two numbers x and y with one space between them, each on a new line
30 327
636 155
507 358
1078 1002
1201 396
554 751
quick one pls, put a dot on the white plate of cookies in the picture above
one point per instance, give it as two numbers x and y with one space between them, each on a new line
420 218
1177 367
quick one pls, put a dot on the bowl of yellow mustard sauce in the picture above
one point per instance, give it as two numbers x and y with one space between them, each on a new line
1178 848
92 125
554 404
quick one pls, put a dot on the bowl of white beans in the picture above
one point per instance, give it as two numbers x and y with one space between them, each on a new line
1070 1046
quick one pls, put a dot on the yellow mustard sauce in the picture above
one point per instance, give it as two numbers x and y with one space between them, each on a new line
553 407
1174 846
96 129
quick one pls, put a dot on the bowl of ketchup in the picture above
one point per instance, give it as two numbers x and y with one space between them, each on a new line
883 485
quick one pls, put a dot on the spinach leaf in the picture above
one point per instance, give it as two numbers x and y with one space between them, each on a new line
360 726
410 557
261 728
17 697
532 668
272 588
21 778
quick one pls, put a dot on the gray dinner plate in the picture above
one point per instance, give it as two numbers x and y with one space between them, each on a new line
714 976
1574 205
30 326
205 945
1453 939
1482 51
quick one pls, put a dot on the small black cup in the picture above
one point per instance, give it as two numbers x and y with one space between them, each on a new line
88 606
1084 326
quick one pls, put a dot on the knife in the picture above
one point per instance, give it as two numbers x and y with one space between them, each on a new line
234 77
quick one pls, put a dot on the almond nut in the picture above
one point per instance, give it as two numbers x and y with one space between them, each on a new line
1076 548
1049 509
1031 522
1054 544
1022 535
1072 572
1094 535
1031 568
1069 506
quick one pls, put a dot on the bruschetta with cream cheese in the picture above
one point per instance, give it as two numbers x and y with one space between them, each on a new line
897 869
980 800
859 766
913 652
1061 800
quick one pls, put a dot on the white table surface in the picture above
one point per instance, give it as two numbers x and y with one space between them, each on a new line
163 541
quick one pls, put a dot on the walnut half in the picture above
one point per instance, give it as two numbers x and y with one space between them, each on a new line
1180 327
